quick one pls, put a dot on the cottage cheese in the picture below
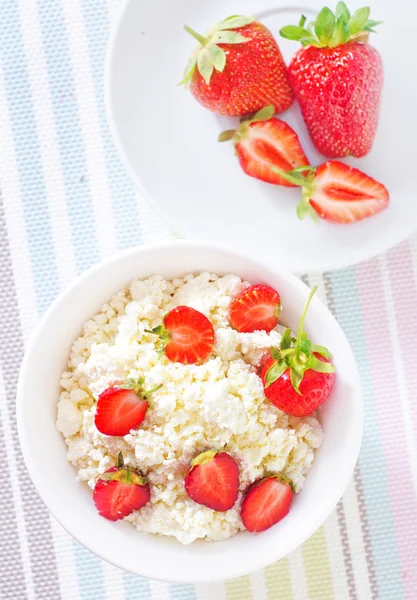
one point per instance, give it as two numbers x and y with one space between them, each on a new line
217 405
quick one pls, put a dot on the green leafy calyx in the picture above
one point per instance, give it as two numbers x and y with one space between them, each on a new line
281 477
331 29
124 474
237 135
203 458
209 55
297 355
163 336
137 386
303 177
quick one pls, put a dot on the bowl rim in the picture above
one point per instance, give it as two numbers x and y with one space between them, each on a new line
83 537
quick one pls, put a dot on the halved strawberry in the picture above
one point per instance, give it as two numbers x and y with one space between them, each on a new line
266 503
213 480
256 308
120 409
338 193
187 335
264 142
120 491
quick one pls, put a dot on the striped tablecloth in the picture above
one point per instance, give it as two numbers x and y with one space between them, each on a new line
66 202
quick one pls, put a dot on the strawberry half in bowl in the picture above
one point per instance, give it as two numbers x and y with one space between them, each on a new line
271 512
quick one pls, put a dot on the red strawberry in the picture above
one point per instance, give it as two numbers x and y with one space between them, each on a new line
187 334
299 377
338 193
263 142
314 388
266 503
237 68
213 480
120 409
337 79
120 491
256 308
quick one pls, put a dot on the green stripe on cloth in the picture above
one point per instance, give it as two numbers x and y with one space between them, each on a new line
239 589
317 567
278 581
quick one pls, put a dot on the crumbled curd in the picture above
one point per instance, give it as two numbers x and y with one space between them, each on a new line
217 405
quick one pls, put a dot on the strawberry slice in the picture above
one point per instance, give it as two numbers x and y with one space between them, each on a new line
120 491
119 410
256 308
338 193
264 142
266 503
344 194
187 335
213 480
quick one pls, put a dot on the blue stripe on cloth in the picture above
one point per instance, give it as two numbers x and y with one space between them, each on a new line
29 165
182 592
122 190
90 574
78 198
67 122
371 461
136 588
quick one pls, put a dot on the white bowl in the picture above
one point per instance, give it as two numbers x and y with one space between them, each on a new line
119 543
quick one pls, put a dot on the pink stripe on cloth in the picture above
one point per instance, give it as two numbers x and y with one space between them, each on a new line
404 293
391 424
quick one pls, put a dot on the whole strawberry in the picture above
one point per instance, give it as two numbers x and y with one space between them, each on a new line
299 377
237 69
337 78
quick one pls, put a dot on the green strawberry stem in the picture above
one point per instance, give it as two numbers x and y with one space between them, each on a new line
264 114
227 135
306 182
137 386
301 325
149 392
295 177
332 29
237 135
202 40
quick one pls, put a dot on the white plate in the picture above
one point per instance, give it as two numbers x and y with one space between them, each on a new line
169 140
